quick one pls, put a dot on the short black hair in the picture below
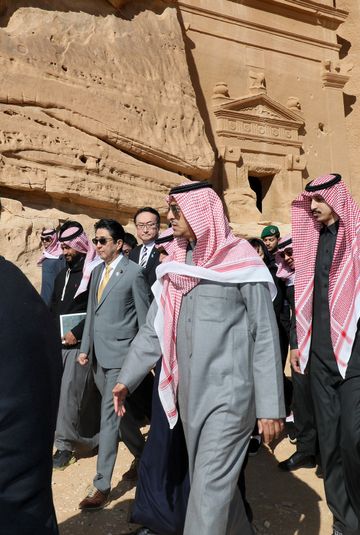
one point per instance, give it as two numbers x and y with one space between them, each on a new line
148 209
130 240
116 230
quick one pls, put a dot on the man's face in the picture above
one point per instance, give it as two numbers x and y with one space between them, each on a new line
271 243
178 222
321 211
107 248
45 242
126 249
69 253
146 227
287 255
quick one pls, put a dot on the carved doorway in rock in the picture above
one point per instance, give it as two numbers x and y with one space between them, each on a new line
260 185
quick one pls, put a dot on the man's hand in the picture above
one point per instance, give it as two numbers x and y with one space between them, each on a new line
270 428
295 360
83 359
70 339
119 395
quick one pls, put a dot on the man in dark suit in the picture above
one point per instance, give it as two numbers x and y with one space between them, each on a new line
119 298
147 222
30 377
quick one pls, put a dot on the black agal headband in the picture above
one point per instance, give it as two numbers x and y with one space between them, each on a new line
184 188
325 185
70 224
284 244
164 239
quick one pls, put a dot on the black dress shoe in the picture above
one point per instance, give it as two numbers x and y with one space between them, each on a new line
297 460
62 459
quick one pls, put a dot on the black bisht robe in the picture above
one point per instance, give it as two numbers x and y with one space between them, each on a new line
163 486
30 377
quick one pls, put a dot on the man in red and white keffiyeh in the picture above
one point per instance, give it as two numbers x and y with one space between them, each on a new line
326 223
69 300
212 320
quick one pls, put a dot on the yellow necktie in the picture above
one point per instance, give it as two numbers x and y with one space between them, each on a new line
104 282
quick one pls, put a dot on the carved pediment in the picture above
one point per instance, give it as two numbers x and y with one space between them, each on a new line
260 106
258 117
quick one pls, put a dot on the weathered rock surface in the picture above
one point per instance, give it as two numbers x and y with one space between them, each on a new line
98 114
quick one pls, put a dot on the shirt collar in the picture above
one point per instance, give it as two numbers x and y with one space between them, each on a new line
333 229
115 262
149 245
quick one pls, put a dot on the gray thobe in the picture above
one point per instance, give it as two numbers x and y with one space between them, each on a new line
229 373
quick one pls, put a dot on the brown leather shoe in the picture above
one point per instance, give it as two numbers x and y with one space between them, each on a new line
132 473
94 500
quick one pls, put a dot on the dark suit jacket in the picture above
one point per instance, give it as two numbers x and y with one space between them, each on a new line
30 377
151 265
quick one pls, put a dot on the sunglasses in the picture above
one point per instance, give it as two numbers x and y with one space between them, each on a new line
45 239
102 241
175 209
286 252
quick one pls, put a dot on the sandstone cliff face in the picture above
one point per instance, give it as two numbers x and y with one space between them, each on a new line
349 38
104 102
97 109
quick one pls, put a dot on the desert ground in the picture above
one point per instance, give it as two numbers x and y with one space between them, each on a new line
283 503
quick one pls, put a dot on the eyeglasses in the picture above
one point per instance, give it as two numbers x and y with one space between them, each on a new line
286 252
102 241
175 209
141 226
46 239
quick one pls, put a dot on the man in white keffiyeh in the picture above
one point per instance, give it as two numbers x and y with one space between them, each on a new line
212 321
325 234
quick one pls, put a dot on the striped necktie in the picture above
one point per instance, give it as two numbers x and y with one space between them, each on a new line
104 282
144 257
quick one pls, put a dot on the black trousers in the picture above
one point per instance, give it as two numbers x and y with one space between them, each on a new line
304 418
337 413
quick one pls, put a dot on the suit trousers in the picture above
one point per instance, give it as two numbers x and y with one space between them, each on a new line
337 413
304 418
112 428
73 384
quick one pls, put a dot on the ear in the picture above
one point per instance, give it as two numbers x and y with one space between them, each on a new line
119 244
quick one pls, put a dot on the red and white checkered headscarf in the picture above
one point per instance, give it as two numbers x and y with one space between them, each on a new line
53 250
218 256
344 277
168 240
83 245
284 272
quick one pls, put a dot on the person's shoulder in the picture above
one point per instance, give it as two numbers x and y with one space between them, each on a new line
8 267
131 266
134 253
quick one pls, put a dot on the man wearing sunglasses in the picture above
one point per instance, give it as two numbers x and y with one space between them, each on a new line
325 233
213 321
51 262
147 222
119 298
303 411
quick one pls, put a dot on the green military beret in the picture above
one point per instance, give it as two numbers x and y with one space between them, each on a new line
271 230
